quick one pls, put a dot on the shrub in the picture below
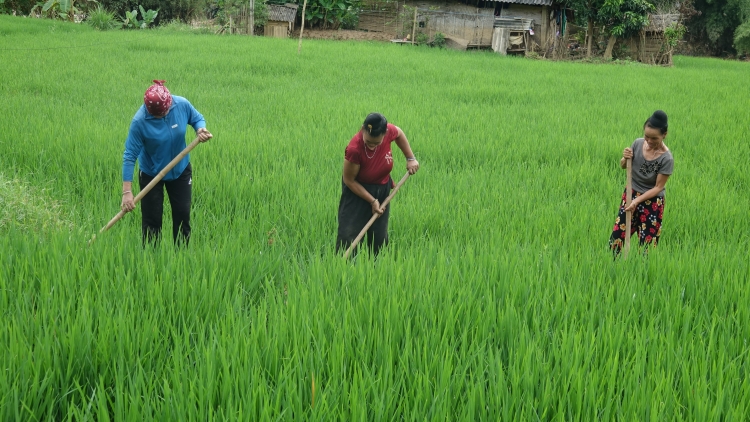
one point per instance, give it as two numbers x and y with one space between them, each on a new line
103 20
439 40
131 18
183 10
19 7
742 38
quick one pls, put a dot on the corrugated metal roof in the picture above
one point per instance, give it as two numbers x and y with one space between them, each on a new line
285 13
515 24
529 2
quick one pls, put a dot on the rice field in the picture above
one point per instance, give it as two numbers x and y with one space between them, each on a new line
497 298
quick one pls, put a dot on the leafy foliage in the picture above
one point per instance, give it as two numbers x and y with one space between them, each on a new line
439 40
624 17
332 14
62 9
742 38
718 24
223 9
674 33
182 10
130 21
21 7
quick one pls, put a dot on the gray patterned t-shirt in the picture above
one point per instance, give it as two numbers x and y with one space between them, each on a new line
645 172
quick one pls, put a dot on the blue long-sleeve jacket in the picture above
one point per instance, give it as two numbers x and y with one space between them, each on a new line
155 142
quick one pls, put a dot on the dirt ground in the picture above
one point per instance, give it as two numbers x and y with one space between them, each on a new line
343 34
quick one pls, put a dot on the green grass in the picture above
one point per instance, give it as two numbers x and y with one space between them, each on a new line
497 298
27 209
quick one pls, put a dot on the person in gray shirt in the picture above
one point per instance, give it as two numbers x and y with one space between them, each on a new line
652 165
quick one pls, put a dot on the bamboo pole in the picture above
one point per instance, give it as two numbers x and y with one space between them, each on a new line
302 28
628 200
148 187
375 216
414 27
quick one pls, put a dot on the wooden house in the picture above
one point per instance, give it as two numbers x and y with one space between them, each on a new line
530 25
522 25
280 20
650 46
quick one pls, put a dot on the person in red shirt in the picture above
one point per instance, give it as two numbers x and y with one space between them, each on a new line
368 162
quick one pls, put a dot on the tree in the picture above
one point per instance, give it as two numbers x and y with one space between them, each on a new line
623 18
742 38
620 18
721 25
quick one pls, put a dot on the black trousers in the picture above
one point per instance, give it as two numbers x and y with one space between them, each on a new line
180 192
355 212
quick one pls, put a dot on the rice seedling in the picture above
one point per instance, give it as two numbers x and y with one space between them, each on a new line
497 298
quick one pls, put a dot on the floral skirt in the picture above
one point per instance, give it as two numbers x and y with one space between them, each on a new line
646 222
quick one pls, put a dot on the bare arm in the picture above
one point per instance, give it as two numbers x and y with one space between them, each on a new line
351 171
412 165
661 181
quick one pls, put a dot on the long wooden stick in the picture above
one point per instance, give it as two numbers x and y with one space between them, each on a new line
148 187
628 200
375 216
302 29
414 27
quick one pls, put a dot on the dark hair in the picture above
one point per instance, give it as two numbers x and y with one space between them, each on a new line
658 120
375 124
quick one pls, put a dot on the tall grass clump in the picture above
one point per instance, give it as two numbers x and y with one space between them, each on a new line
103 20
496 299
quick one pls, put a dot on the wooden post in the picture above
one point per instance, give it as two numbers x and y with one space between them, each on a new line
413 27
481 33
302 28
590 36
628 200
252 17
545 26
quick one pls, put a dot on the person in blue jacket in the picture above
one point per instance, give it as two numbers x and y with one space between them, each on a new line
156 137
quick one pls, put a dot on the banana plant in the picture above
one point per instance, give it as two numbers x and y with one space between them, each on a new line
148 17
131 20
60 9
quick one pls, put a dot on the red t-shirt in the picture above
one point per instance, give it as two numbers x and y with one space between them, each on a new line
374 166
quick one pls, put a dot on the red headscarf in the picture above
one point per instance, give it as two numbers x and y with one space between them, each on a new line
157 98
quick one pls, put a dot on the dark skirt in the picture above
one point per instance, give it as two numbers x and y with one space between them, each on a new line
355 212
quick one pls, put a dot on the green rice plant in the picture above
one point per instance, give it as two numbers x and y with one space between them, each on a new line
496 299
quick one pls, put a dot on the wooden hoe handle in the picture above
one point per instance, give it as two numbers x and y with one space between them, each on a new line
375 216
628 200
153 183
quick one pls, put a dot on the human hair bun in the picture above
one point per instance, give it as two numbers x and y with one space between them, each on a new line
375 124
658 120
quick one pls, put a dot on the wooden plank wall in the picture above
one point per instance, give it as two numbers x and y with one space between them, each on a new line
474 28
387 21
381 16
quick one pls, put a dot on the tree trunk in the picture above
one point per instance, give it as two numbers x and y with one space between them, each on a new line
590 31
610 47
